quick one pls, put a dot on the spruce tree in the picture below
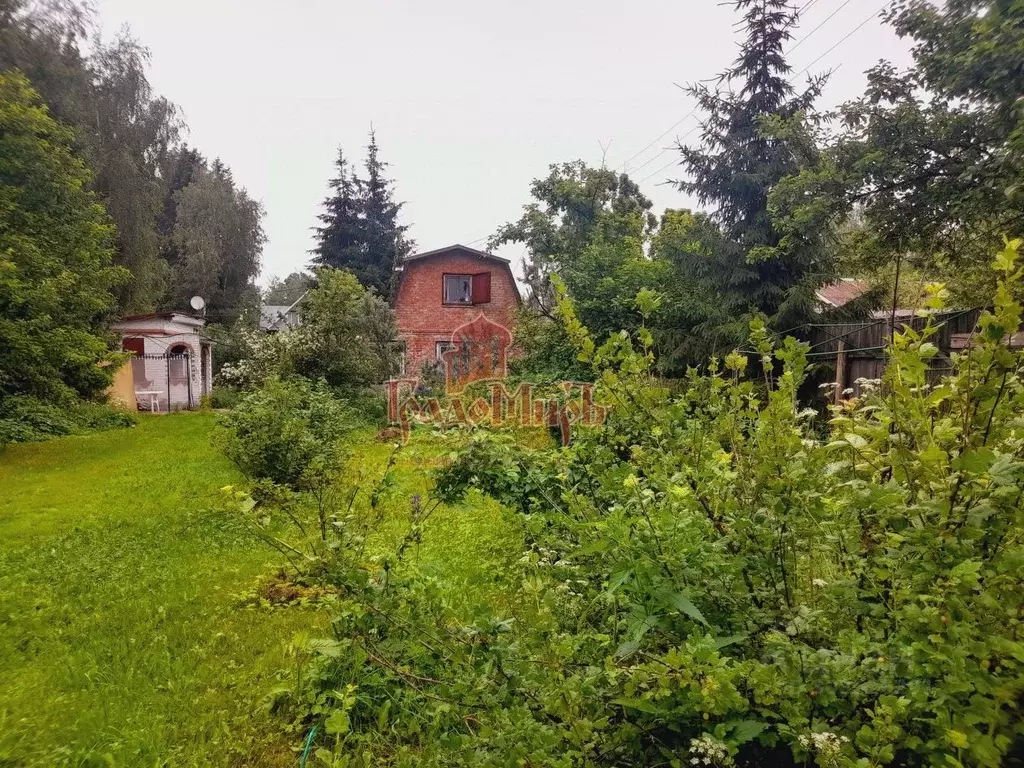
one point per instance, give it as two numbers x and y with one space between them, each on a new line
752 138
359 224
339 237
384 238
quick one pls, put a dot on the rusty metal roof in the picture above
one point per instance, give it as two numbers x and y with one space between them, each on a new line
842 291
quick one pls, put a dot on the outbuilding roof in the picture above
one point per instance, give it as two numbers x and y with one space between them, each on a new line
176 316
842 291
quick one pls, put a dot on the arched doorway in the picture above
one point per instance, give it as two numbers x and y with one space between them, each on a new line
179 379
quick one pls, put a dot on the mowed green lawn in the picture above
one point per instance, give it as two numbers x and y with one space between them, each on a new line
123 637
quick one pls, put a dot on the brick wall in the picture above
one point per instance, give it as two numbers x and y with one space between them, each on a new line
423 318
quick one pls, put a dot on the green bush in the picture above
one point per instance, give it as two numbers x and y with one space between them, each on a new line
368 404
224 397
25 419
284 430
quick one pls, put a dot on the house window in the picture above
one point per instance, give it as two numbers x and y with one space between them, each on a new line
442 347
467 289
458 289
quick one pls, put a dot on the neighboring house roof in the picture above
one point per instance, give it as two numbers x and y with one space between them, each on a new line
276 317
842 292
457 247
272 316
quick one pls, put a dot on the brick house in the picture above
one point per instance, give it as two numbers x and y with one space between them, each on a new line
442 290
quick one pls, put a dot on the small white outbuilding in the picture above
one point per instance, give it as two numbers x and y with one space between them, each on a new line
172 367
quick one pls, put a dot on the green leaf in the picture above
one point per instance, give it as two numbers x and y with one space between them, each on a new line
682 604
338 722
855 440
743 731
618 579
725 642
598 545
628 648
976 462
640 705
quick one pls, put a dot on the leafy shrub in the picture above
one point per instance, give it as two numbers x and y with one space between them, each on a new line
432 379
285 429
544 351
368 404
705 583
26 419
224 397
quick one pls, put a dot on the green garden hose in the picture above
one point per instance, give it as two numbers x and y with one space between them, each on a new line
309 746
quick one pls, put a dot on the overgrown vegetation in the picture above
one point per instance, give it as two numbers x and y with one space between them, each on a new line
717 576
345 339
704 579
27 419
181 224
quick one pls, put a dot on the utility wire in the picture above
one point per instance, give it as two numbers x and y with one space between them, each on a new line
673 161
829 18
657 139
663 151
799 42
846 37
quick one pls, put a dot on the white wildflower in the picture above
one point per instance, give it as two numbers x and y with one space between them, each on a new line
709 751
827 746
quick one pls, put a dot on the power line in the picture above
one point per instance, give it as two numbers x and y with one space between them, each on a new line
799 42
666 167
664 150
829 18
846 37
654 141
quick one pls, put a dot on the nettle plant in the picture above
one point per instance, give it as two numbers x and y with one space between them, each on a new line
706 582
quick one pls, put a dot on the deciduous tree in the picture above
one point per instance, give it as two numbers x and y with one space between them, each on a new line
930 160
56 272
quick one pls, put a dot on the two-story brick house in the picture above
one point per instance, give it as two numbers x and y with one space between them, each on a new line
439 291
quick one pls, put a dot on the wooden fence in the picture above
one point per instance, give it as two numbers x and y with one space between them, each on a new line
856 351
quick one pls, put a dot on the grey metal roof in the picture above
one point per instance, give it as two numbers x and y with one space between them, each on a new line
274 317
457 247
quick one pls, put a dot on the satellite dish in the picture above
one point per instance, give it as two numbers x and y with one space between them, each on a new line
198 303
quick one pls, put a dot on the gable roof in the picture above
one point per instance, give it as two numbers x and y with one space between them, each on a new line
275 316
457 247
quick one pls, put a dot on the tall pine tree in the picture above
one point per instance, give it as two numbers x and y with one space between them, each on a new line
754 136
359 225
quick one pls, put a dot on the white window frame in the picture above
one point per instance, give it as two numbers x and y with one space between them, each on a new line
468 301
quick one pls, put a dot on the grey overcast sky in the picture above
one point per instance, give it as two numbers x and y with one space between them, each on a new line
470 100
